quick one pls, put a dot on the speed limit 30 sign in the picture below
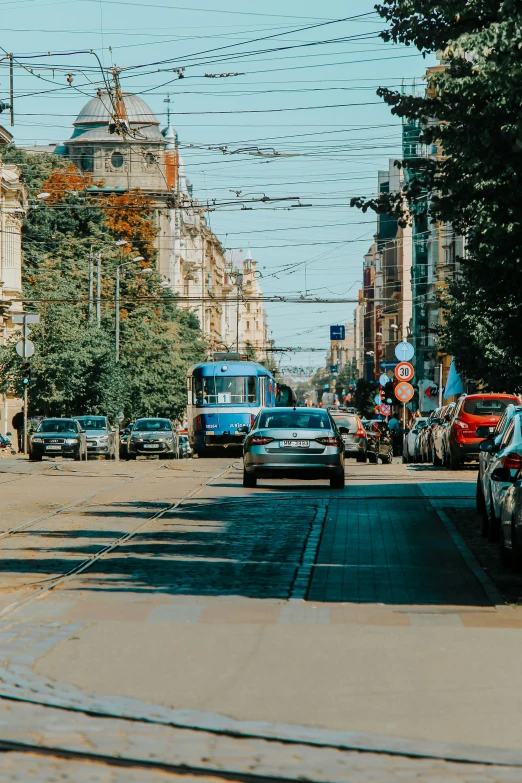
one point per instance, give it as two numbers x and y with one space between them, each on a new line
404 371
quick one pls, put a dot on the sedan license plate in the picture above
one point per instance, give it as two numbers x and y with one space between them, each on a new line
301 444
54 448
150 446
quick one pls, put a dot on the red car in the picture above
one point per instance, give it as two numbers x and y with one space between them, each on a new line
472 411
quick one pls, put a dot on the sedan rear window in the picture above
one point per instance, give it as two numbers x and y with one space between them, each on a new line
487 406
299 420
350 422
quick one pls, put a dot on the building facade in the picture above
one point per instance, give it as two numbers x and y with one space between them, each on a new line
117 139
12 210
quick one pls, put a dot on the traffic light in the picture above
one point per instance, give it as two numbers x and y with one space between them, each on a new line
389 393
28 374
382 394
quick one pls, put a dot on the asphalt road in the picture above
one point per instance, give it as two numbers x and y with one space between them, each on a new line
148 587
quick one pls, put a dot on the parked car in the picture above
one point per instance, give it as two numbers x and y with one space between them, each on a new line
484 431
425 440
437 436
504 462
152 436
185 451
58 438
461 443
511 522
409 443
289 443
380 444
101 437
354 439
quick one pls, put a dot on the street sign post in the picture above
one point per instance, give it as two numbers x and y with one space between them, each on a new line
404 392
27 350
404 371
337 332
385 409
404 351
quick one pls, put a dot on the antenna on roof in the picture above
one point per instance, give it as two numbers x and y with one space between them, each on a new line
167 101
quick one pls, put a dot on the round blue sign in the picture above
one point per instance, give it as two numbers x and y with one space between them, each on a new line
383 380
404 351
377 399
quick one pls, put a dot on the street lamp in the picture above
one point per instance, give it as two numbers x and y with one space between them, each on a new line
135 260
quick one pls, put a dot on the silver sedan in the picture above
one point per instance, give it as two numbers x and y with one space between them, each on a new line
294 443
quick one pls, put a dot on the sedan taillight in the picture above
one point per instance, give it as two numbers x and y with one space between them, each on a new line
512 461
328 441
361 432
259 440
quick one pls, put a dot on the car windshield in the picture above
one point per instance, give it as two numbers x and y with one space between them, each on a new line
302 420
92 422
486 406
152 425
58 425
225 390
350 422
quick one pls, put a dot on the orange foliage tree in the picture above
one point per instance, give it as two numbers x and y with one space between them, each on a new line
130 216
62 182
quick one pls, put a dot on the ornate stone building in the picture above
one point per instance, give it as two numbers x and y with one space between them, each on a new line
12 209
120 143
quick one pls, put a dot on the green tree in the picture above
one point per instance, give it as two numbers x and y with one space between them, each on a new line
472 109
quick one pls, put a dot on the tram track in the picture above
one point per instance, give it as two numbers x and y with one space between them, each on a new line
51 583
68 506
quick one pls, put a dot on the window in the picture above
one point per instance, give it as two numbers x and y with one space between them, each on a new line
86 161
152 425
508 436
149 159
248 326
318 420
92 423
117 160
225 390
58 425
487 406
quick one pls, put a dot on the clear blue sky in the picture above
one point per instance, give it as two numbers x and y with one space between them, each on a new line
279 102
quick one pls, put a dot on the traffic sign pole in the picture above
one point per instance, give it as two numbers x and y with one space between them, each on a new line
26 394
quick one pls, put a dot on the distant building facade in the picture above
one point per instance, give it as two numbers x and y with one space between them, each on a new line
12 210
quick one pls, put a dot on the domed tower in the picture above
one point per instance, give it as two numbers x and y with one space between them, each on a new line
119 142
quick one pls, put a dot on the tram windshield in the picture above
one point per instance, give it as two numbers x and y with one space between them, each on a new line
225 390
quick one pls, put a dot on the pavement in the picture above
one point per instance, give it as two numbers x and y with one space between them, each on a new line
356 620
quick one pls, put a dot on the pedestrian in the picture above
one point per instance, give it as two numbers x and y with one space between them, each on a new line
394 427
18 425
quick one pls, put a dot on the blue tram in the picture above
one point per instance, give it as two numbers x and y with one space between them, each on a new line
224 397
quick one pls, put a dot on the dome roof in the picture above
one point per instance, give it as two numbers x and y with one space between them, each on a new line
99 110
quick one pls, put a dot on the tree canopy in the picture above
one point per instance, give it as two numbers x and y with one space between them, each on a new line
74 361
472 111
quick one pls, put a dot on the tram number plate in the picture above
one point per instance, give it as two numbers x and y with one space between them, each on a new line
54 448
301 444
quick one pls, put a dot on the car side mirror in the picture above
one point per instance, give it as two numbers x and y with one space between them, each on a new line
503 474
483 431
487 445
